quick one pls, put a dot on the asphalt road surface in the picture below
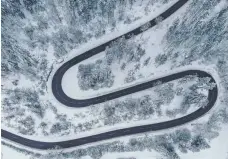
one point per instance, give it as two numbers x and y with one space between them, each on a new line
57 78
64 99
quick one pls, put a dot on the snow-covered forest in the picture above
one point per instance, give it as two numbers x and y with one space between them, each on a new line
39 36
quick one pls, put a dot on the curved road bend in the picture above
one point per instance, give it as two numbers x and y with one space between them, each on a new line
57 78
63 98
212 96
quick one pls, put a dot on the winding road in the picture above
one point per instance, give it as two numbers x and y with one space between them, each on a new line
64 99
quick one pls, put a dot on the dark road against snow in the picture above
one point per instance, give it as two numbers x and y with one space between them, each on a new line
67 101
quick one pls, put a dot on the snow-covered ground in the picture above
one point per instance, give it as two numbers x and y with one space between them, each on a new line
10 153
135 121
219 148
152 41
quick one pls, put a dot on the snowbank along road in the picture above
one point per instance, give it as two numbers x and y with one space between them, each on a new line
64 99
